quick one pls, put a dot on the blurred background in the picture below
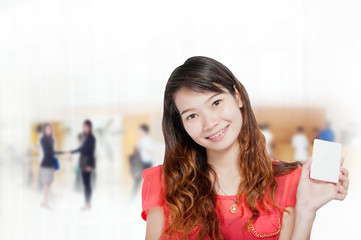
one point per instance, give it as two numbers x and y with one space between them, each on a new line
66 61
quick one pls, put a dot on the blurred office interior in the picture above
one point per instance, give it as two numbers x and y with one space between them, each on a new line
66 61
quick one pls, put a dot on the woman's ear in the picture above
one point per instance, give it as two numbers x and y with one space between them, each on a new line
238 97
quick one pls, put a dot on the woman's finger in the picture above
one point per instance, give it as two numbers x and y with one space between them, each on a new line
340 197
344 177
341 193
306 167
344 171
344 181
341 189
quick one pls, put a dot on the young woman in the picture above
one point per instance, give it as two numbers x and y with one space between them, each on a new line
47 165
217 180
87 160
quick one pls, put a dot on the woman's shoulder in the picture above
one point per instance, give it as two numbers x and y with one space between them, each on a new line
290 177
293 171
153 172
287 185
152 189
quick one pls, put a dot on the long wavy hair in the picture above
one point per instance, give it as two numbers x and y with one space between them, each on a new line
189 191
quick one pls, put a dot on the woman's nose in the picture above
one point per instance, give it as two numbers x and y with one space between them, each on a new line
210 121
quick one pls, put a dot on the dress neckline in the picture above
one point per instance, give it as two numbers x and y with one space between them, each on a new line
228 197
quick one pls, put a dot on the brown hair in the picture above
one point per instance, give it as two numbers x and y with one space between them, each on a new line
188 188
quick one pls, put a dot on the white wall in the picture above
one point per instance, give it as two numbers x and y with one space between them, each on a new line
56 55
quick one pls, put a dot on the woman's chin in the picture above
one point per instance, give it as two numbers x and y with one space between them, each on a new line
219 147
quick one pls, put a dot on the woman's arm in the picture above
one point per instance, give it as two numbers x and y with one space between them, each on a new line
79 149
75 150
155 221
313 194
296 224
288 223
303 224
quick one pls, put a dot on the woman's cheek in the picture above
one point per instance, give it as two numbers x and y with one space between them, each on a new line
225 113
193 130
230 113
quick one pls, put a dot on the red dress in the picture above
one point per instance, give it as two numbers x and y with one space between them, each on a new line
266 226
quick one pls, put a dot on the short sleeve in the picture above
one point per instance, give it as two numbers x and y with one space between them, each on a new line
287 188
152 189
291 186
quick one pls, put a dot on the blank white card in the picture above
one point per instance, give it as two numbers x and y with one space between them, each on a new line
326 159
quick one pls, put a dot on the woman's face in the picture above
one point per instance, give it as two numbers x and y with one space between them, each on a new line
48 130
86 129
213 120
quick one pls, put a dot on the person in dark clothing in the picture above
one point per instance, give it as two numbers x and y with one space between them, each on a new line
87 160
48 162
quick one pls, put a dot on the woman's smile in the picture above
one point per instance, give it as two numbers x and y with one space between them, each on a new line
219 135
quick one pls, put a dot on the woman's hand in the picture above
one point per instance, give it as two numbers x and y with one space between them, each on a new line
313 194
88 169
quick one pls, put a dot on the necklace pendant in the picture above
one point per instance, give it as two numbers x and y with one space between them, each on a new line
234 207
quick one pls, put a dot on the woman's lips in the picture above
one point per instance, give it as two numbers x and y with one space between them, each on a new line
219 135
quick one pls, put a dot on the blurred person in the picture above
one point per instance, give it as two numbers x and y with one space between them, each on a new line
142 158
217 180
87 161
47 166
300 144
268 136
78 187
327 134
145 146
136 168
39 152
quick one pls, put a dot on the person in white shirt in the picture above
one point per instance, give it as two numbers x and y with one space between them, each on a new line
142 158
300 143
268 137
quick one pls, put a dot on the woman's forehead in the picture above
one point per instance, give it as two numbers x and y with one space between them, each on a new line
188 98
188 92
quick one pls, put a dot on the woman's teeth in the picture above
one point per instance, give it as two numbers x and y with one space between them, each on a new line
219 133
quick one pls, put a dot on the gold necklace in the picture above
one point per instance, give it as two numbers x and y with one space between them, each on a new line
234 206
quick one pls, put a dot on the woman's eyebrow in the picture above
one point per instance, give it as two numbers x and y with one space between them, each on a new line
186 110
189 109
214 95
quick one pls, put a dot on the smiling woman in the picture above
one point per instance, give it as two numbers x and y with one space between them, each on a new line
210 120
217 180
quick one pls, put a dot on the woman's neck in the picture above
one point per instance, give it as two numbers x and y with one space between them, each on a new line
226 166
226 160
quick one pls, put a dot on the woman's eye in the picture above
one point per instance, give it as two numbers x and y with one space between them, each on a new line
191 116
216 103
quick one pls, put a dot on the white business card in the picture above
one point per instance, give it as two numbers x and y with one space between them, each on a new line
326 158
